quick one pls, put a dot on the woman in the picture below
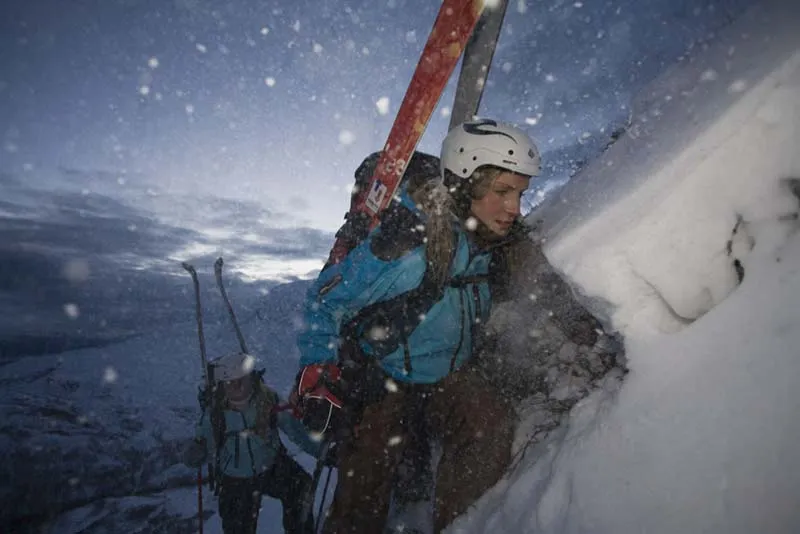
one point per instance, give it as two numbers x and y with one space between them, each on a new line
406 303
239 429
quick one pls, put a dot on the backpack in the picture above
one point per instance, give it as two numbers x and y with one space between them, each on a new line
398 233
421 168
399 316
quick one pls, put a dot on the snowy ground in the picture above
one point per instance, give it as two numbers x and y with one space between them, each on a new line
702 436
92 438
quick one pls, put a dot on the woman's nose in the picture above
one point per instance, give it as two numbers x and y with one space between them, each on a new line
512 206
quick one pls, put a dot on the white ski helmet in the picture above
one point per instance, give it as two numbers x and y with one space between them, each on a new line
482 142
233 366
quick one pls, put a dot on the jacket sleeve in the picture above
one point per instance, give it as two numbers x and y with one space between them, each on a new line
342 290
297 433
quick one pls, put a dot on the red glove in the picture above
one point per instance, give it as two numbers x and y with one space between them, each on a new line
314 381
312 398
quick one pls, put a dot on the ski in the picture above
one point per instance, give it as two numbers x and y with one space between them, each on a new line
199 316
451 30
218 275
476 63
204 360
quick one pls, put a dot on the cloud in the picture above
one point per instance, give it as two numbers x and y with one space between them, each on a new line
80 266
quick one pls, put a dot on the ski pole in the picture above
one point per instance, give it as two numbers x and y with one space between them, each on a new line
308 502
200 498
218 274
322 501
201 337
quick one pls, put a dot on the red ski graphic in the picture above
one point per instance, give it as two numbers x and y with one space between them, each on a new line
451 31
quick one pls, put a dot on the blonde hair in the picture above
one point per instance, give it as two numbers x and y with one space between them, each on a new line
435 202
441 209
482 180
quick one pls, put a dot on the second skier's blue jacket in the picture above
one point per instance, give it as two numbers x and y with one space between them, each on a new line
245 453
442 341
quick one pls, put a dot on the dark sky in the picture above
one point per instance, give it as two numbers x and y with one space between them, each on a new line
137 133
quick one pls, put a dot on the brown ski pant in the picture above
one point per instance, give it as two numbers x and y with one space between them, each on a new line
475 428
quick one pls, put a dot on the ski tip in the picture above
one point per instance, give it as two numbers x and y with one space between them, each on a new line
188 266
219 262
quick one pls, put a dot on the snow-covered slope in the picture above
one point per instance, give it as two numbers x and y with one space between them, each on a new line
92 438
687 230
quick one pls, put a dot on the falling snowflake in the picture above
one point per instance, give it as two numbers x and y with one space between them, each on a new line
472 224
201 48
269 81
346 137
76 270
317 48
71 310
144 90
152 62
110 375
264 31
383 105
737 87
709 75
395 440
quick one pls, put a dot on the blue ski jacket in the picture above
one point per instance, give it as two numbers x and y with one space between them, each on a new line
243 453
444 339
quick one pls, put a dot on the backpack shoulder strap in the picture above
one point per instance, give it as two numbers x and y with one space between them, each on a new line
265 400
399 232
396 318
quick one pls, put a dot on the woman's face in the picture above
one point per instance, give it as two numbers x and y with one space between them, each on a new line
498 208
238 390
